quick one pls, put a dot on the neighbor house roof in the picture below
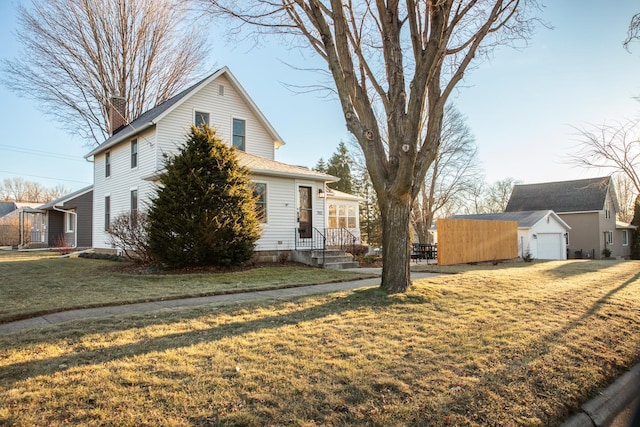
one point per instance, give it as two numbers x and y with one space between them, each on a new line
625 225
525 219
7 207
62 200
583 195
151 117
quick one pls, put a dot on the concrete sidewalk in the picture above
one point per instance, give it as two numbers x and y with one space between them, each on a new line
214 300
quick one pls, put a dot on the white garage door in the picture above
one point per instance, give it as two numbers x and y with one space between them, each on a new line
550 246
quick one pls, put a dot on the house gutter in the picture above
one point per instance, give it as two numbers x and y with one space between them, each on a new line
75 224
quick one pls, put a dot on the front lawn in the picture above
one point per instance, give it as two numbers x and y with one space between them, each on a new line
520 344
33 283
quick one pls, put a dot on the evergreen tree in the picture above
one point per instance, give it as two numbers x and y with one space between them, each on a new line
340 166
321 166
204 213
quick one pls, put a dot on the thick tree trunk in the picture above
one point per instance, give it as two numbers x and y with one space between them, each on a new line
635 234
395 241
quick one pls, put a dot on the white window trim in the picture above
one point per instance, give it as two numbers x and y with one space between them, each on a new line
104 210
266 201
108 155
137 141
625 237
69 219
245 130
609 237
200 110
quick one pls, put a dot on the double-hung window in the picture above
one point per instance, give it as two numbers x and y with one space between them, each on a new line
239 134
134 153
69 222
201 119
107 164
107 212
260 195
608 235
134 205
625 238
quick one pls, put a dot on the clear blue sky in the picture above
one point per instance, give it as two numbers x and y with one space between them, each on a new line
522 106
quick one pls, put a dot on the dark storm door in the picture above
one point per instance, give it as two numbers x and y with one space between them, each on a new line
305 212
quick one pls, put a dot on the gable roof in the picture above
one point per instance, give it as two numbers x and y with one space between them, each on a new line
583 195
7 207
525 219
62 200
151 117
341 195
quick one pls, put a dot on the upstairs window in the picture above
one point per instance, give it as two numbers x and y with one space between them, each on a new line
107 164
607 210
238 134
260 194
201 119
134 153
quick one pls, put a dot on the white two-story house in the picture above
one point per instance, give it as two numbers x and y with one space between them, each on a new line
293 200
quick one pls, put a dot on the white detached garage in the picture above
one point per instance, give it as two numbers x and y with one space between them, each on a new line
541 234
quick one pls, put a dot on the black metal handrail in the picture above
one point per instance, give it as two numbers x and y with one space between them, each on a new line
317 241
341 238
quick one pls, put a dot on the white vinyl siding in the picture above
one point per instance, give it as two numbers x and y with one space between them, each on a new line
123 178
174 128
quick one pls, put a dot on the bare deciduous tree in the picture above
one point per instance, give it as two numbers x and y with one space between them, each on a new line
453 172
77 54
20 190
404 60
634 30
497 195
614 148
626 193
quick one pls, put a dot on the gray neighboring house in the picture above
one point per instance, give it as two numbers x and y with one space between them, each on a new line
541 234
68 217
589 206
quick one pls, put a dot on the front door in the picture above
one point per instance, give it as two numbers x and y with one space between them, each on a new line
305 213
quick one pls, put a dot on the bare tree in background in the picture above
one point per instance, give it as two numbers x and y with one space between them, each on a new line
402 59
626 193
77 54
453 172
634 30
20 190
497 195
615 148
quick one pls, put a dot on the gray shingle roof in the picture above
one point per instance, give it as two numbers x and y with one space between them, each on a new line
7 207
525 219
149 117
581 195
262 166
65 198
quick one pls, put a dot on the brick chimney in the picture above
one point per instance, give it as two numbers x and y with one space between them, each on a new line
117 114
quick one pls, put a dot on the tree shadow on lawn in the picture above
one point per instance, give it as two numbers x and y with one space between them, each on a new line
524 365
9 374
570 268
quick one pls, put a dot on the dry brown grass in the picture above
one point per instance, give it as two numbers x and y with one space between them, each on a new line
33 283
507 345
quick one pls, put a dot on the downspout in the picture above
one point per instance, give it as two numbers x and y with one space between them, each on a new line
75 224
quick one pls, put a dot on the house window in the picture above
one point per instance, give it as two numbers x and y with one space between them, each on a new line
107 212
201 119
134 205
238 134
607 211
134 153
608 236
260 194
107 164
625 238
342 216
69 222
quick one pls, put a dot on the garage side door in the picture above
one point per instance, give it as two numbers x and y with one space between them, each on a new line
550 246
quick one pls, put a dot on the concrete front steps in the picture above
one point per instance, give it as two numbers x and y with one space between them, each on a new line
333 259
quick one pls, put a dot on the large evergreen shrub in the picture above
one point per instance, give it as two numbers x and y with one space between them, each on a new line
204 211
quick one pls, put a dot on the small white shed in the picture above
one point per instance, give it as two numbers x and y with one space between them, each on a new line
541 234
